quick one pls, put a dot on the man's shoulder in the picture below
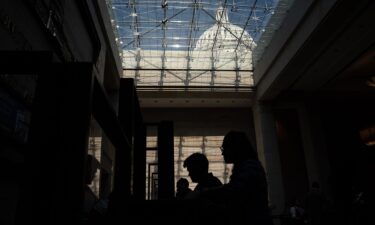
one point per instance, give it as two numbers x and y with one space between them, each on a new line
215 179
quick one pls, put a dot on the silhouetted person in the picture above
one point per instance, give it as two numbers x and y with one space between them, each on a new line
297 213
92 165
182 188
245 197
316 205
197 165
94 208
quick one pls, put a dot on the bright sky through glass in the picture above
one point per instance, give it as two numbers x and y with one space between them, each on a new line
147 20
158 40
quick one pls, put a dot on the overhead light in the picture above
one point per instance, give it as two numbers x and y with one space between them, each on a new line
371 81
367 135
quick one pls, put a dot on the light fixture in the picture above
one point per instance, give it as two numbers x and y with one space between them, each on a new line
371 82
367 135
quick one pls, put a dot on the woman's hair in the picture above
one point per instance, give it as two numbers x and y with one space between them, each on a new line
240 145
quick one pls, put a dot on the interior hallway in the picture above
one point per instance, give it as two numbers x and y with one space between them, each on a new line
65 93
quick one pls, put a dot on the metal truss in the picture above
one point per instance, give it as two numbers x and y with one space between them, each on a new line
161 35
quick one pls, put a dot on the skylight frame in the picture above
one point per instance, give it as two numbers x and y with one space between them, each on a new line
156 38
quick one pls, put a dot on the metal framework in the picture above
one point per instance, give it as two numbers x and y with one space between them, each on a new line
191 42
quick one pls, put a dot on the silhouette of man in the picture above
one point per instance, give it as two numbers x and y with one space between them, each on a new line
182 188
94 208
245 197
197 165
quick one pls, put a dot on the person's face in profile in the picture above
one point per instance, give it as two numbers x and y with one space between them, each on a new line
226 152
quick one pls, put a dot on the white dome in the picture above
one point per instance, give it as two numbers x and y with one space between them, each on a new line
222 64
227 36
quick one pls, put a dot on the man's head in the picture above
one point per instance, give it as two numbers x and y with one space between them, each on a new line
236 147
197 165
182 184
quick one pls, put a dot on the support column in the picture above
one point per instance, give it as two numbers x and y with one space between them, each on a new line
166 160
267 147
308 145
313 133
123 161
139 185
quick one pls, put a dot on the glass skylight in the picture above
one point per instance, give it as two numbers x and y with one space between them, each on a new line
205 43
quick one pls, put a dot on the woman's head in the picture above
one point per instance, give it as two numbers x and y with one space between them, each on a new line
237 147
